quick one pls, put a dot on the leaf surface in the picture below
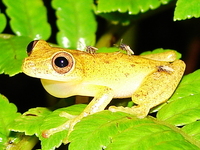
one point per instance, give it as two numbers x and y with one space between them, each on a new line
26 21
13 51
193 130
124 132
184 106
54 120
161 50
133 7
8 112
76 23
124 11
3 22
186 10
30 121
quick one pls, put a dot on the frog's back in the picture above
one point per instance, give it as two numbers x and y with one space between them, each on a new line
120 72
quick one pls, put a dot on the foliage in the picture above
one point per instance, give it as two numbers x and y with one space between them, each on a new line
176 125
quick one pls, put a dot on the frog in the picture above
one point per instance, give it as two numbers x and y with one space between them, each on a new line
149 80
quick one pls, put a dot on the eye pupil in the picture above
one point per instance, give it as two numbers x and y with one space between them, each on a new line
61 62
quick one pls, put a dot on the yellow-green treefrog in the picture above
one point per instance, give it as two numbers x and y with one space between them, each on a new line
149 79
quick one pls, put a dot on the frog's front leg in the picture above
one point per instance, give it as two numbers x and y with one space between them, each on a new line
102 98
156 88
98 103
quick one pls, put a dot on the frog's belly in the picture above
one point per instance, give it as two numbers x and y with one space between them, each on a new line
126 90
123 89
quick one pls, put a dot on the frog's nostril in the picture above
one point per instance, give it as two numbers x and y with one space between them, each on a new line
30 47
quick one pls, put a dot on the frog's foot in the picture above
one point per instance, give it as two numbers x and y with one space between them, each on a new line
139 112
67 125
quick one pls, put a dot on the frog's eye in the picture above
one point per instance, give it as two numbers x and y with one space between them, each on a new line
30 47
62 62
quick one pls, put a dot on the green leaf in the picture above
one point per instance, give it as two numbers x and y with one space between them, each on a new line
13 51
3 22
181 111
130 6
108 50
188 86
37 120
186 10
192 130
19 141
30 121
28 18
107 130
76 23
155 51
8 112
161 50
125 11
117 17
184 106
54 120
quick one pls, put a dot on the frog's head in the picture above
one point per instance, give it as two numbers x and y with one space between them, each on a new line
50 63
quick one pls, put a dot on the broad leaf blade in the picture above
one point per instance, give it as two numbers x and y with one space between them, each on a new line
76 23
20 141
37 120
184 106
54 120
13 51
2 22
181 111
161 50
117 17
193 130
107 130
30 121
188 86
186 10
130 6
8 112
28 18
121 11
108 50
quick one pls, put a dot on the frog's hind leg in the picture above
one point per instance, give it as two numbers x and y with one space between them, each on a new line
155 89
